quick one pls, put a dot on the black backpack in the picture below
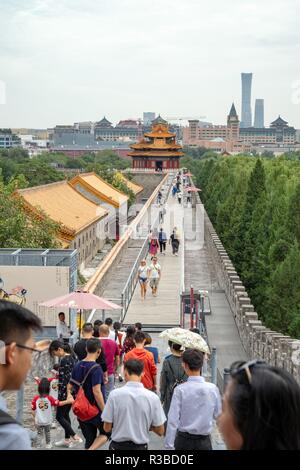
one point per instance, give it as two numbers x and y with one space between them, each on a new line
176 381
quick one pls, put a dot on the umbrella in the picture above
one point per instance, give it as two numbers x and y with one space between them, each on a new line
188 174
186 338
81 300
192 189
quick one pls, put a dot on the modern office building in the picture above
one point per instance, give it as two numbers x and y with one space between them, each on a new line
8 139
246 120
259 113
233 138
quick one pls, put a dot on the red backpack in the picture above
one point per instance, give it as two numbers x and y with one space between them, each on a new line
81 407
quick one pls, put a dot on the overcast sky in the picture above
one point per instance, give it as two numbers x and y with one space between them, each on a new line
63 61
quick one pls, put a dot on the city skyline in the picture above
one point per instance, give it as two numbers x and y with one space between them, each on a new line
77 61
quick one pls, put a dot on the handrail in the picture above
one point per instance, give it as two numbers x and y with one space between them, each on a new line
110 258
130 285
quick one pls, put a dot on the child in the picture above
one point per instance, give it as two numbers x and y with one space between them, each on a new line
41 406
53 386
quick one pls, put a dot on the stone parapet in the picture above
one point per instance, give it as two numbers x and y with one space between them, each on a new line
258 341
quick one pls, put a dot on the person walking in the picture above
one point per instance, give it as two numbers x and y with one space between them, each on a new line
261 408
143 278
109 323
175 242
153 349
172 374
179 197
159 197
112 355
62 330
119 339
67 359
141 354
154 274
128 344
150 234
87 333
162 238
88 374
17 344
153 246
136 405
41 406
174 190
194 405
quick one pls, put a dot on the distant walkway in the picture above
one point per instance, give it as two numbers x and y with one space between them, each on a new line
222 331
165 308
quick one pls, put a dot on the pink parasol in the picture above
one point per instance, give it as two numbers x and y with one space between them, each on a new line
81 300
188 174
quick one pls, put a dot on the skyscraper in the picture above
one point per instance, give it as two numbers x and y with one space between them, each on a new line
148 117
246 100
259 113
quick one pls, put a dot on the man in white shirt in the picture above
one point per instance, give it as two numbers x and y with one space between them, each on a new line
112 333
132 411
62 330
194 406
154 274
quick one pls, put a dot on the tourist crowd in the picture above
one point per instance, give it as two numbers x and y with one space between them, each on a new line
260 408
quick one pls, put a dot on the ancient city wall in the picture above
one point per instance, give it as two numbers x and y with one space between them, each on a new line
258 340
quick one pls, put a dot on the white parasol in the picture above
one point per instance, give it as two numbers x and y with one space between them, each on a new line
186 338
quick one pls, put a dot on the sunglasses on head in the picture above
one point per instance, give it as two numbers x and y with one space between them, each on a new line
237 368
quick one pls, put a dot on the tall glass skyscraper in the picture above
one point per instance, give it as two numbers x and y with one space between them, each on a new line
259 113
246 120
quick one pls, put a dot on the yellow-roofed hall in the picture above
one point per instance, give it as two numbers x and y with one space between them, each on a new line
82 221
94 188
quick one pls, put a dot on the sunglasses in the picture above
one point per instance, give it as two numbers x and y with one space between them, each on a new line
247 366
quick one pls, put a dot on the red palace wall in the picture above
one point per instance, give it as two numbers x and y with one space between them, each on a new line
151 164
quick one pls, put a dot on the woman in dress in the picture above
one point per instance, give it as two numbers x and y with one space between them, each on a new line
154 245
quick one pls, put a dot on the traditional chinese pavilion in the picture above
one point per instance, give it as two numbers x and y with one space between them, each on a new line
158 149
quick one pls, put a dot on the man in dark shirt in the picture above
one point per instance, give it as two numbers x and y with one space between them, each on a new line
94 390
81 352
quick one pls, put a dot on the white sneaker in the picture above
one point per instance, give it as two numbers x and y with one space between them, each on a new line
76 441
63 443
48 446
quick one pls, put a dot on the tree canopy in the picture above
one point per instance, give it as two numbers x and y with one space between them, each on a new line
254 204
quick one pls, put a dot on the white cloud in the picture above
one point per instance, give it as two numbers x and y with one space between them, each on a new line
70 60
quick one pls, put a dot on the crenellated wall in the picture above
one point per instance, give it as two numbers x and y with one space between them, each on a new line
258 340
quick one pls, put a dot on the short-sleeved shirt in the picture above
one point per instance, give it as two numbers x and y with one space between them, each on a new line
154 270
111 350
13 436
143 272
94 378
134 405
146 357
154 351
43 409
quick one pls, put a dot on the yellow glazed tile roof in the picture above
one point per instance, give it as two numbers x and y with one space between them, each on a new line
64 205
100 188
136 188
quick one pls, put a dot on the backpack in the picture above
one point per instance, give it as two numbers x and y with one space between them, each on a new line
176 381
81 407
